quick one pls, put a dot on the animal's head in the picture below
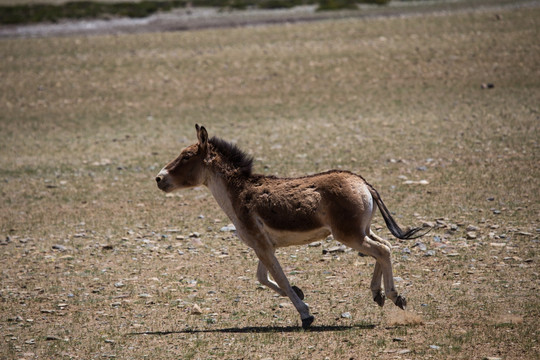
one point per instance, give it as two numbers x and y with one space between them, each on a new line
188 169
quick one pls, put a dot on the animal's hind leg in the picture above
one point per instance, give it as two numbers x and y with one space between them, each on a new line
379 239
381 253
376 290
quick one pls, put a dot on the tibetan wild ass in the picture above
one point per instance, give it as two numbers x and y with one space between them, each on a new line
270 212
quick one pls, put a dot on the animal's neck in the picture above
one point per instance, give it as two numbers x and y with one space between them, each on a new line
222 192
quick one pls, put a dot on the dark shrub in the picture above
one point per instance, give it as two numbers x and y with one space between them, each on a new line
325 5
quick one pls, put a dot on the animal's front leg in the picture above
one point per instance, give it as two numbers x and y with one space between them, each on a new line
268 261
262 276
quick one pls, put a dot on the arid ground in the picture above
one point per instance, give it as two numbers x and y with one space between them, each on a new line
440 112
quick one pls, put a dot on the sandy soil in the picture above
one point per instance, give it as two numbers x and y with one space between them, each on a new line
204 18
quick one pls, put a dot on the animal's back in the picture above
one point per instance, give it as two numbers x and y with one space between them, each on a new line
305 203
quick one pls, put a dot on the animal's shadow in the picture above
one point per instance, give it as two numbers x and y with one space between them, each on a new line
260 329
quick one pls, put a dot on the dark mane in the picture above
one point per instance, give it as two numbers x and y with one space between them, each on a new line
233 155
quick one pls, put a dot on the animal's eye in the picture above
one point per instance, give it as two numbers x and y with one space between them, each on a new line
186 157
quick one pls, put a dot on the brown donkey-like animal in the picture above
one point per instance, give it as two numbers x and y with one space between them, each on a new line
270 212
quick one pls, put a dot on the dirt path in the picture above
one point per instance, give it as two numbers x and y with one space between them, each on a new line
206 18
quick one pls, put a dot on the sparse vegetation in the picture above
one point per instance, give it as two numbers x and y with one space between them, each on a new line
33 13
42 12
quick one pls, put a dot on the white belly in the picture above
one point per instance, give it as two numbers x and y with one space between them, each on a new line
282 238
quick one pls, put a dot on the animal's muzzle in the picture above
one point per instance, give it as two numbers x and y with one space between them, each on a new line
162 180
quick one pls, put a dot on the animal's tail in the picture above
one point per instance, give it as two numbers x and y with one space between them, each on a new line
391 223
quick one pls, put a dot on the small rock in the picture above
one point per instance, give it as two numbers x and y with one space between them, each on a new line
487 86
119 284
315 244
194 235
397 339
196 310
346 315
284 305
471 228
59 247
52 338
196 241
335 249
496 244
412 182
116 304
429 253
471 235
434 347
228 228
420 245
30 342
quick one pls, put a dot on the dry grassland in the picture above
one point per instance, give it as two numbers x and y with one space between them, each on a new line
99 264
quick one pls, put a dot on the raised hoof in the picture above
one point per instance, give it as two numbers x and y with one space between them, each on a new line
306 323
298 292
401 302
379 299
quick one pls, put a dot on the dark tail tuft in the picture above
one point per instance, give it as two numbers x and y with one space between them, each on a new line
391 223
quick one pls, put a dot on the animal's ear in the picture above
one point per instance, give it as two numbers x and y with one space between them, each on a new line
202 135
